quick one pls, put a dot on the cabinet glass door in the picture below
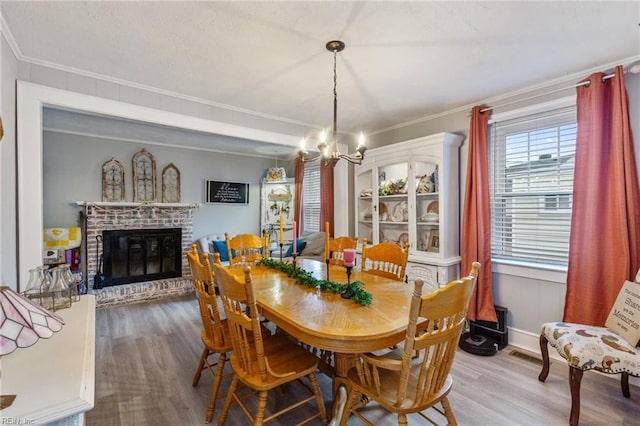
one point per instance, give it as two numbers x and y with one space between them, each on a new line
427 208
393 208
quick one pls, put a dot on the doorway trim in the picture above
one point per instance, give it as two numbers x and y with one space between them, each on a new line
31 99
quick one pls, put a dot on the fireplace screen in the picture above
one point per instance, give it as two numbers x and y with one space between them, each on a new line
142 255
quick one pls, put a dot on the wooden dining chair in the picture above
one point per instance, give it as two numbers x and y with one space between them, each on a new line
215 331
334 248
416 376
385 259
262 363
246 248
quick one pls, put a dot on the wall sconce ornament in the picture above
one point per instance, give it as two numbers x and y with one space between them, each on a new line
112 181
144 176
170 184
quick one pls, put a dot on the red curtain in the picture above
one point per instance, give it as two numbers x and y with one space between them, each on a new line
604 246
326 195
476 220
298 202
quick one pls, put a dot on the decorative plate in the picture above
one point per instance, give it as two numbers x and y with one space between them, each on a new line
425 185
433 207
400 212
276 174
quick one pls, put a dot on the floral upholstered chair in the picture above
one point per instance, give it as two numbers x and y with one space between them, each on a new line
588 347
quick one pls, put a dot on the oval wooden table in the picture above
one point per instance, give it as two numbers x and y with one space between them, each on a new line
327 321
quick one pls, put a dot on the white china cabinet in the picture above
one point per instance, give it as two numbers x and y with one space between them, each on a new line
277 199
409 192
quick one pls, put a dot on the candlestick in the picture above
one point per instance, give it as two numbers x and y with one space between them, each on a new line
281 245
348 292
326 238
281 235
295 245
327 261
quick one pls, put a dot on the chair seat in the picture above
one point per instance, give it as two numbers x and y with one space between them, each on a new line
285 358
389 389
214 346
592 348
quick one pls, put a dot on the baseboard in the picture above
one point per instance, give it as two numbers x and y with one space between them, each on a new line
530 342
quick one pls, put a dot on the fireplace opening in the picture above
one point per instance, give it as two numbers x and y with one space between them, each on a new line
137 255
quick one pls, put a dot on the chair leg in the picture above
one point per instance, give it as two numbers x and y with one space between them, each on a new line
262 405
228 400
402 420
544 350
217 379
316 391
203 358
624 383
448 412
575 377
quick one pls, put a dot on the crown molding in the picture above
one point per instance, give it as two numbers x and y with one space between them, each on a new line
11 41
568 79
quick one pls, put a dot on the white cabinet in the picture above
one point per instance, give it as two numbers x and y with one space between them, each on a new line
409 192
277 198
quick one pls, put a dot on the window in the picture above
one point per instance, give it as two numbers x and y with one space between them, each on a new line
311 197
531 161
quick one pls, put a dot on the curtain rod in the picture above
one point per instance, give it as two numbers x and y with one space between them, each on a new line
582 83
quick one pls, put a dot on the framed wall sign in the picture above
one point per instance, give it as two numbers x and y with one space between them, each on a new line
226 192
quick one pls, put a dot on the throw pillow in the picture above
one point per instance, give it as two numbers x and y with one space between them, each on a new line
221 247
315 244
624 318
300 245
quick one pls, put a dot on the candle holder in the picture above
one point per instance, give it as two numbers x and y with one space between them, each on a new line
348 293
328 261
293 255
281 246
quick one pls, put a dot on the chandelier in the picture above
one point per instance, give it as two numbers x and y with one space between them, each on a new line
329 152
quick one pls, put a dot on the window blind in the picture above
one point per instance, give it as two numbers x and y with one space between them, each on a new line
531 162
311 197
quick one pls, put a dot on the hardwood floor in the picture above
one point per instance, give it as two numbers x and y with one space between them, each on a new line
146 355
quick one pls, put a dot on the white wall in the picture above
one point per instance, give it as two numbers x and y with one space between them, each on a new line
8 74
72 172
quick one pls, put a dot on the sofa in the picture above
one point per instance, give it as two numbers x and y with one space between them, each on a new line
312 246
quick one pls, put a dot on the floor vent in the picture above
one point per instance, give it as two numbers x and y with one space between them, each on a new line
526 357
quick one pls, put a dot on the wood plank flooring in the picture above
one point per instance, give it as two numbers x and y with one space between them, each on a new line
146 355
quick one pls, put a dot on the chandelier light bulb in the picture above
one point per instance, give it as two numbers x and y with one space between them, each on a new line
361 140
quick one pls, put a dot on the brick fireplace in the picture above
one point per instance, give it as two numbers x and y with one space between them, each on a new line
98 217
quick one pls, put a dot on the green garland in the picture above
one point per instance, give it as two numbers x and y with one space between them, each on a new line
360 296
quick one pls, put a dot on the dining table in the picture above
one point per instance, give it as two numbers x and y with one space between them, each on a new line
328 322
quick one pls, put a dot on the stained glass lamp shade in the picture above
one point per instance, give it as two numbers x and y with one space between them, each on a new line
23 322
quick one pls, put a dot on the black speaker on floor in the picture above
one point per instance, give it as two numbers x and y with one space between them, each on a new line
485 337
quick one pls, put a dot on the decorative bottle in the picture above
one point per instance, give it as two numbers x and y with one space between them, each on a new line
60 290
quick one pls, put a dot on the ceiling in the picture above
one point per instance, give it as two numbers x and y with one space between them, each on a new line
403 60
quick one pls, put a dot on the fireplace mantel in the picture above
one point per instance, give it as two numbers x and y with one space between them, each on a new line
107 204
